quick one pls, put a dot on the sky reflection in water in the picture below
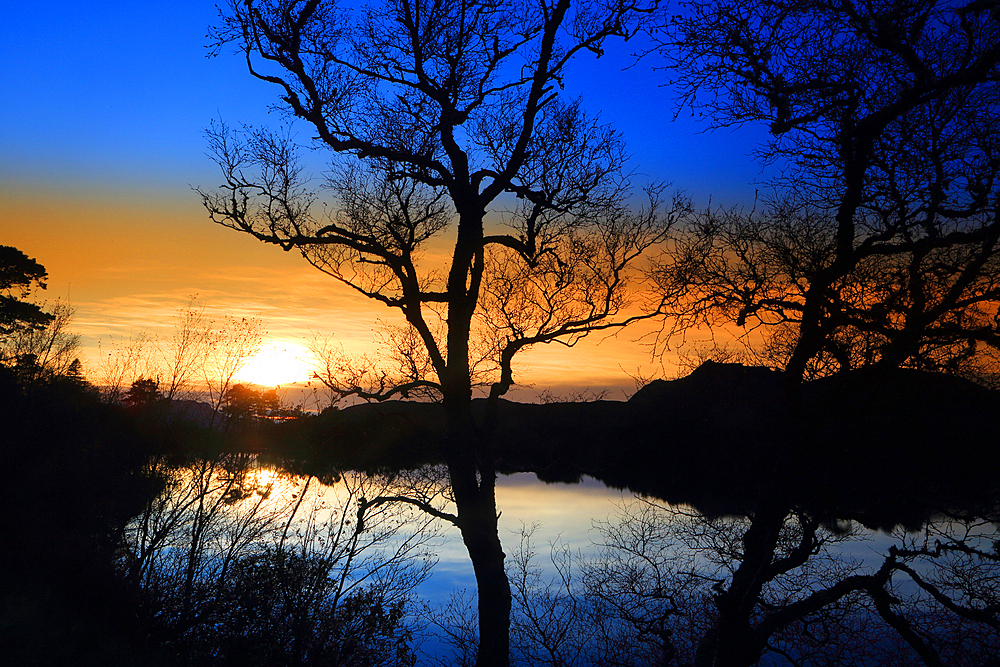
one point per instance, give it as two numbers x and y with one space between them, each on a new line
562 513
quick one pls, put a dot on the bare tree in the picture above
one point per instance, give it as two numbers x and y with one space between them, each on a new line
647 595
909 598
49 349
880 245
945 599
665 572
121 363
199 358
445 117
549 621
229 349
184 353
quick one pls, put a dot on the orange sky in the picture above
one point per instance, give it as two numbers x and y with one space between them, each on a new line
129 262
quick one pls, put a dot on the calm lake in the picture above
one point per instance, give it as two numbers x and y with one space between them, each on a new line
578 555
561 514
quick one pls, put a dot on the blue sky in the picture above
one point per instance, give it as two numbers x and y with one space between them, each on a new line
116 94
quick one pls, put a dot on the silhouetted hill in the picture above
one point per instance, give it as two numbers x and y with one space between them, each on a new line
902 443
882 446
703 439
196 412
744 385
885 447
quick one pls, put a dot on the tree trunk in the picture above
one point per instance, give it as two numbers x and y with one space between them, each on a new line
473 481
478 522
470 459
733 642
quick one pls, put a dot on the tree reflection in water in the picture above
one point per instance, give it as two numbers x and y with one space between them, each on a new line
234 562
836 593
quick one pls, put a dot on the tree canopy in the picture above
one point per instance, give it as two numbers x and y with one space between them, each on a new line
878 243
19 277
454 113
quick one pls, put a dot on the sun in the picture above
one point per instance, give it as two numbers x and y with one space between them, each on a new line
277 363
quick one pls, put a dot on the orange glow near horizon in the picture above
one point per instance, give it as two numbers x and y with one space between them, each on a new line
128 265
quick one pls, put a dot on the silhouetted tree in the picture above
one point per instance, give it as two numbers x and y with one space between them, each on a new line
121 363
36 342
200 358
905 598
880 244
245 407
185 352
647 596
282 608
82 464
19 276
442 115
228 351
235 564
53 346
143 393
